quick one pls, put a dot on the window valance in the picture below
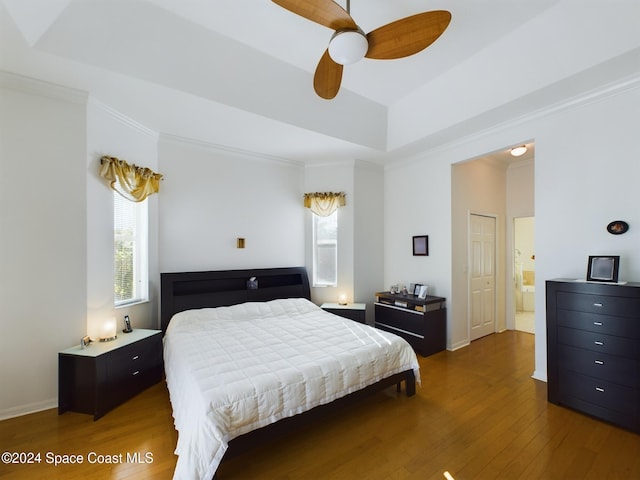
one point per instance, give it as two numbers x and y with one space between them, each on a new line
324 203
132 182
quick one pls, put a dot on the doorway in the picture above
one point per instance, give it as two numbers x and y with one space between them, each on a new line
524 269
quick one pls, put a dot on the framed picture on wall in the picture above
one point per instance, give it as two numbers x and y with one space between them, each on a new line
603 268
421 245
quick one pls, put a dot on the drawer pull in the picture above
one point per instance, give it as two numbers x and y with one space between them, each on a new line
598 343
598 304
599 362
600 389
597 324
135 358
135 373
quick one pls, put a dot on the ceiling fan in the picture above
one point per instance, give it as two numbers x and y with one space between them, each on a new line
350 44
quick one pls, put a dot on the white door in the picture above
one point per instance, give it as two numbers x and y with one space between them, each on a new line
482 278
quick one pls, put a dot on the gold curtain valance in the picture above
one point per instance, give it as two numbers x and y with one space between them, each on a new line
132 182
324 203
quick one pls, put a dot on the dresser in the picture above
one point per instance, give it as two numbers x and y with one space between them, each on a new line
103 375
593 349
422 322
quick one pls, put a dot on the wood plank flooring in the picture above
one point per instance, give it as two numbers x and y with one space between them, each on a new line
478 415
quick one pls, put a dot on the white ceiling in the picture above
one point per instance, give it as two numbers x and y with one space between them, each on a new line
238 73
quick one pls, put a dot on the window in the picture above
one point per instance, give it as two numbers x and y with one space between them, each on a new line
130 251
325 250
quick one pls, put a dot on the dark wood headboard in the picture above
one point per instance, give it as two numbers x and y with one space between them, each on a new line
187 290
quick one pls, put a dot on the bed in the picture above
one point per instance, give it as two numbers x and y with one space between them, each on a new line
249 356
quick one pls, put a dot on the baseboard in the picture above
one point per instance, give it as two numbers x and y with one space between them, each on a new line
542 376
29 408
459 345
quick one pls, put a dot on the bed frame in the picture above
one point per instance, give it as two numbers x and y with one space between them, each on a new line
190 290
222 288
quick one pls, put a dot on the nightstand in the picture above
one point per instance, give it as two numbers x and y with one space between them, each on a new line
353 311
103 375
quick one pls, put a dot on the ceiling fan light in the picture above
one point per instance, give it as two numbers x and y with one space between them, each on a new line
518 151
348 46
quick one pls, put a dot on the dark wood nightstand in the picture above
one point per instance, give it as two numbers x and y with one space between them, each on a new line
353 311
103 375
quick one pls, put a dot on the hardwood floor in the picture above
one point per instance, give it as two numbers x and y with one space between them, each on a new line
478 415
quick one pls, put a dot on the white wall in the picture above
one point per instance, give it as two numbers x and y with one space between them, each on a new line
211 196
42 239
521 189
478 187
417 201
109 133
585 176
368 226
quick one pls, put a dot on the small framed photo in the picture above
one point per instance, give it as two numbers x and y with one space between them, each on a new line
416 289
421 245
422 292
603 268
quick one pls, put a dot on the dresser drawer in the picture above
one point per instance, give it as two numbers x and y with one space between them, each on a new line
133 368
612 345
407 320
607 324
598 392
137 357
619 370
599 304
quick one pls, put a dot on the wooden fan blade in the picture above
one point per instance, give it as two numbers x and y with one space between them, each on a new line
408 35
326 81
324 12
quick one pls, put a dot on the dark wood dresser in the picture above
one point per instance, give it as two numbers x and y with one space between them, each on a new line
593 349
101 376
422 322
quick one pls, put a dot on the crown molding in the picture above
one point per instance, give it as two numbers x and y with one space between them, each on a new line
217 148
123 119
42 88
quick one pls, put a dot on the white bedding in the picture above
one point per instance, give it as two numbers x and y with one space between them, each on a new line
231 370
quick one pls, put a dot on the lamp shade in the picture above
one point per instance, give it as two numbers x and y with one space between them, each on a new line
348 46
108 331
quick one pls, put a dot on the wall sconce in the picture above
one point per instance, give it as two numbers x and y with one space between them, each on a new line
108 330
240 242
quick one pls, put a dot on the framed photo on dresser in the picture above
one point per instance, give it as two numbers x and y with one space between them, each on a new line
603 268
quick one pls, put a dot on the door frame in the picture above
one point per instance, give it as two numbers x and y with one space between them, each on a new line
469 269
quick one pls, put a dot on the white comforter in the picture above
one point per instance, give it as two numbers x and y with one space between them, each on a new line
234 369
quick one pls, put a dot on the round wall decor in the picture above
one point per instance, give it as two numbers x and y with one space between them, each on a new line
617 227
